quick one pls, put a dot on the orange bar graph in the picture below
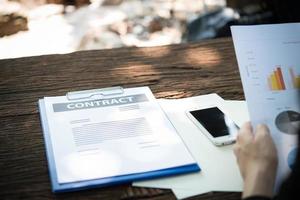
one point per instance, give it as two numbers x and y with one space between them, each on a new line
295 79
275 80
280 77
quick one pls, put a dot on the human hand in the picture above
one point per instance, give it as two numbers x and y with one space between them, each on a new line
257 160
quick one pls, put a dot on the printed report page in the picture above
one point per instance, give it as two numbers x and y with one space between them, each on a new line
269 64
110 136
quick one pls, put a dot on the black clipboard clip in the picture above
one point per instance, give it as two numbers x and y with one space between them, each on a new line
84 94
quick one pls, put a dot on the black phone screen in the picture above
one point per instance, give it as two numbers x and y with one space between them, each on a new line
215 122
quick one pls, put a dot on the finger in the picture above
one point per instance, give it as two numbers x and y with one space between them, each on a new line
245 134
262 131
236 150
247 125
263 135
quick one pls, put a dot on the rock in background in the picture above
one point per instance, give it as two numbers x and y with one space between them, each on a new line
12 23
11 19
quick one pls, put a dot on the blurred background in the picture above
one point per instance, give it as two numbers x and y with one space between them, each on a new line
38 27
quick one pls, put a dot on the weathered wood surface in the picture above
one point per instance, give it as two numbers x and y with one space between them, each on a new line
175 71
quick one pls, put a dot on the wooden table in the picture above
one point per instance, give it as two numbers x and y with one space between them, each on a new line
174 71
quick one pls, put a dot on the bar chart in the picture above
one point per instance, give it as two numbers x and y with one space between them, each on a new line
275 80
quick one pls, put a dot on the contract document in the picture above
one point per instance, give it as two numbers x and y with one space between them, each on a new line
111 138
269 64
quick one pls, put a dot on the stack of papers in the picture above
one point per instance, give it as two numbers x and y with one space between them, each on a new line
103 140
219 168
115 138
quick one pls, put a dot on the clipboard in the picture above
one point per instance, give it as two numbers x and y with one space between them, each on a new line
102 182
84 94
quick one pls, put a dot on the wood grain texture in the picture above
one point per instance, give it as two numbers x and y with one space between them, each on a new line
174 71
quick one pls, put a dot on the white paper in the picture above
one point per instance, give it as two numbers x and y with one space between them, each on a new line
237 110
269 63
186 193
116 135
219 169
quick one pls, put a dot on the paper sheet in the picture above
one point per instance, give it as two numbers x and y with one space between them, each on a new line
111 136
219 169
269 64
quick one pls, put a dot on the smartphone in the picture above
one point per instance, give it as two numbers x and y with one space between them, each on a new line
217 126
